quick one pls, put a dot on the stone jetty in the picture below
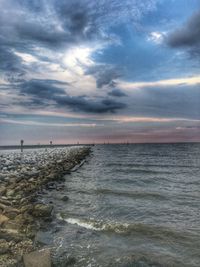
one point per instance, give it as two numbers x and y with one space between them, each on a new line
22 177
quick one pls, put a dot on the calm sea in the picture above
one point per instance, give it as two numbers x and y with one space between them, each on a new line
131 205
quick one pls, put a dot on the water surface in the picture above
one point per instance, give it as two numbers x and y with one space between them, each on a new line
132 205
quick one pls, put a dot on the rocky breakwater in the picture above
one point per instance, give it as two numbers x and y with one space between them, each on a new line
22 177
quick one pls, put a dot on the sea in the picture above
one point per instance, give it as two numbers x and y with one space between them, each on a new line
130 205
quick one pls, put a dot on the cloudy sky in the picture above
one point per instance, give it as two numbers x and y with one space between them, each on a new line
95 71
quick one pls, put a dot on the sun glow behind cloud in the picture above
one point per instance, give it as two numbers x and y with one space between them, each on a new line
76 57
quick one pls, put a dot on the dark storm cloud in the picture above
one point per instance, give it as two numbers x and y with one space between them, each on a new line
41 88
10 64
188 36
47 92
80 103
117 93
74 18
104 75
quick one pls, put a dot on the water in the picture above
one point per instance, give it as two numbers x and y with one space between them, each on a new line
131 205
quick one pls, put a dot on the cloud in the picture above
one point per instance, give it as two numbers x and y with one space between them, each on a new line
81 103
156 37
26 26
188 81
167 101
116 93
11 65
47 93
42 88
104 74
187 36
45 124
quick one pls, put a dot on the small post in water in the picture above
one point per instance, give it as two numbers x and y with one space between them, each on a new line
22 143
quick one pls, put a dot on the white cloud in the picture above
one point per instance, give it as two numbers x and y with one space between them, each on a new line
156 37
27 58
44 124
170 82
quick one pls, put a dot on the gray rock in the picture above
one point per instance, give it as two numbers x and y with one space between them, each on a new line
38 259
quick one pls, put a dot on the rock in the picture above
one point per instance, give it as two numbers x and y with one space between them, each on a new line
38 259
10 192
8 163
26 208
69 261
12 225
41 210
33 174
2 190
21 248
11 235
51 186
2 177
8 260
11 214
65 198
24 219
3 219
65 261
4 246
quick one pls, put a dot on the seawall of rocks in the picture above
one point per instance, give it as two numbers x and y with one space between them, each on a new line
22 177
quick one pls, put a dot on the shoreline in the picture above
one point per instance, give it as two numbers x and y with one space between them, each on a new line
21 215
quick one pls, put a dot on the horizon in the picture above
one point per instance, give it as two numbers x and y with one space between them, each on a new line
27 146
88 72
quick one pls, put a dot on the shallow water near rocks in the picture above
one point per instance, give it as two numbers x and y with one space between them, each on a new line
131 206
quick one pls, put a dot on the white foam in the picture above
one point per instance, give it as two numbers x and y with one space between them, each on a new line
91 224
87 225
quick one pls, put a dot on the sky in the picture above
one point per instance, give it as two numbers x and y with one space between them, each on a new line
99 71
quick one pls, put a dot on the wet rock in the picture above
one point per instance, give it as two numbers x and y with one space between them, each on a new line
64 261
51 185
38 259
65 198
69 261
41 210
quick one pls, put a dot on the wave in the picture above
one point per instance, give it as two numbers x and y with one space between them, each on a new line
159 165
133 194
152 231
131 171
